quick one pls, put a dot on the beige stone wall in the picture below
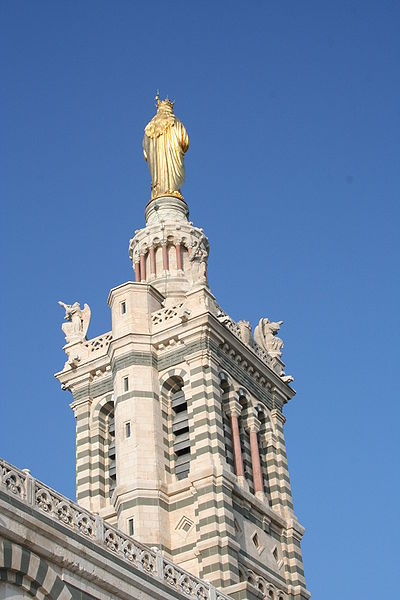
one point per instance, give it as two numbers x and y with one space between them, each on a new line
52 548
211 523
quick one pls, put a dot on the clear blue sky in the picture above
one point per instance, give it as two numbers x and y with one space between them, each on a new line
293 171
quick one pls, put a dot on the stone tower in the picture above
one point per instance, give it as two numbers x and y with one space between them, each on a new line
179 423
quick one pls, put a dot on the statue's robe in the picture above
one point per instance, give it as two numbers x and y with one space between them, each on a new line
164 145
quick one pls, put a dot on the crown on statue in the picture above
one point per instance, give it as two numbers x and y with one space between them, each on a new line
167 103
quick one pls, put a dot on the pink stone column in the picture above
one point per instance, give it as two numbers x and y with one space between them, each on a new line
165 256
152 261
178 256
254 426
237 450
142 268
137 271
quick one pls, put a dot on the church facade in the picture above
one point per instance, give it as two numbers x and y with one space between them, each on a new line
182 480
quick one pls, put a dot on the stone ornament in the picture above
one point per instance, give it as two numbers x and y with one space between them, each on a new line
78 319
165 142
198 261
265 337
245 332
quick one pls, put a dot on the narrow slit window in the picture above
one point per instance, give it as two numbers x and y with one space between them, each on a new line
128 429
126 384
123 308
131 527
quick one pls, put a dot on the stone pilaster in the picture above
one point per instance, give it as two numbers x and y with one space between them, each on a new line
81 407
278 471
138 422
293 561
215 547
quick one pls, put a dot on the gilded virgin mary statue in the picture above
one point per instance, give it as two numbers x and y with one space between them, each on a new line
165 142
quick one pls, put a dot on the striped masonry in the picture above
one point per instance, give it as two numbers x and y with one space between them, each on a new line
24 569
92 444
213 504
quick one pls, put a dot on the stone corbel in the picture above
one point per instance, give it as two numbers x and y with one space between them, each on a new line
184 314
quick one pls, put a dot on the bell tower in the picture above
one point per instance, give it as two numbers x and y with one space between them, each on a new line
179 409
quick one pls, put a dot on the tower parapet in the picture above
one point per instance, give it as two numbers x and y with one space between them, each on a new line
180 420
170 252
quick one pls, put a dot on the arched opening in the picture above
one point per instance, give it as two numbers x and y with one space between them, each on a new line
10 591
177 425
106 419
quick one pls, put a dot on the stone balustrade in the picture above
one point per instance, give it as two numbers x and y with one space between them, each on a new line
147 560
166 314
99 344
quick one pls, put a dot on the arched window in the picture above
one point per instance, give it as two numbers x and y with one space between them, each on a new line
112 470
106 420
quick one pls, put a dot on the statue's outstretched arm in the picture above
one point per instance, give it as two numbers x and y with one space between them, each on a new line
63 304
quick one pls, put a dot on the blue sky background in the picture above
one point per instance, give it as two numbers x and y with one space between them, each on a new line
293 112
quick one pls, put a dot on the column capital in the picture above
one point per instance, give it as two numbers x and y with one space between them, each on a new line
253 424
234 407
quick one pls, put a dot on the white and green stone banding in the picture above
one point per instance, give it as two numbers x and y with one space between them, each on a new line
27 571
203 473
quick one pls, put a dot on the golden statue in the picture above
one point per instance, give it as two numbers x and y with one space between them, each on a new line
165 142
